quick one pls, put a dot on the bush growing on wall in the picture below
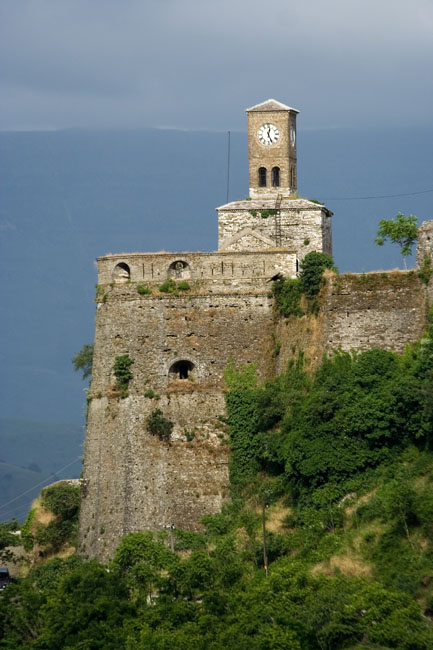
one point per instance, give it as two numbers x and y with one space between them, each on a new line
122 371
159 426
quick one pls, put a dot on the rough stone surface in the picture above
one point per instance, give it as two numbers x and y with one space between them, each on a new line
209 272
282 154
180 345
425 242
299 225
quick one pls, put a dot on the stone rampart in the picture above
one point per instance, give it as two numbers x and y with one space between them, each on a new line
135 481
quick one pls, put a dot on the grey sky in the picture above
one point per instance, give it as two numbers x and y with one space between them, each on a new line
199 63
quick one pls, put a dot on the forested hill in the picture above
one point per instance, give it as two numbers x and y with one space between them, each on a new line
327 543
70 196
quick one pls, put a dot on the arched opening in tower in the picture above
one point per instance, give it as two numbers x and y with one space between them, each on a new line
181 369
262 176
275 177
121 272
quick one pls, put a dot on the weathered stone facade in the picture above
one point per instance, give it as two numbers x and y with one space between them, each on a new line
280 154
298 225
425 242
181 342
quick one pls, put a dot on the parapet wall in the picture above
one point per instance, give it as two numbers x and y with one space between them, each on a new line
211 272
358 312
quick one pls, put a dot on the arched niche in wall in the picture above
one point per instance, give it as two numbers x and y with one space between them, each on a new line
121 273
179 270
182 369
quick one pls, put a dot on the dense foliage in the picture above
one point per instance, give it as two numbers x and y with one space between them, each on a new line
288 291
332 473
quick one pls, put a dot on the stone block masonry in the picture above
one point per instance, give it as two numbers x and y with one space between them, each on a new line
299 225
180 317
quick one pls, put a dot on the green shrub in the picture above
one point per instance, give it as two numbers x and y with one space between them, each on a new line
169 286
288 292
26 530
240 378
143 289
159 426
62 500
268 213
122 371
183 286
151 394
312 267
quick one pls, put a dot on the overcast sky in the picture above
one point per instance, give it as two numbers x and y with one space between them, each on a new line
199 63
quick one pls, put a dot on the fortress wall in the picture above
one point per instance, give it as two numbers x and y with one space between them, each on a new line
358 312
134 481
223 271
363 311
157 331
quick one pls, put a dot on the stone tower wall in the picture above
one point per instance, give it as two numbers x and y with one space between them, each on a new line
304 226
133 480
282 154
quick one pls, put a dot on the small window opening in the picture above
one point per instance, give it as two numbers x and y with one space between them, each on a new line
121 273
181 369
275 177
179 269
262 176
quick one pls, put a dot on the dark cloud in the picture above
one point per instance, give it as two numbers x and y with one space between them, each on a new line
198 64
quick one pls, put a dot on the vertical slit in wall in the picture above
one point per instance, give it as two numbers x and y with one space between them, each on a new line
151 266
143 271
222 268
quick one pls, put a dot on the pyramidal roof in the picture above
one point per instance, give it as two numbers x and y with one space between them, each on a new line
270 105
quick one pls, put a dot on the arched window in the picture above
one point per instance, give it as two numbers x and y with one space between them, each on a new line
179 269
181 369
262 176
121 273
275 177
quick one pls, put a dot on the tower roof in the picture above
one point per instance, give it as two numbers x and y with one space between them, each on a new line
270 105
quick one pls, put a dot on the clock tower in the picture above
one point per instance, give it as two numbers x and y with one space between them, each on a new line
272 150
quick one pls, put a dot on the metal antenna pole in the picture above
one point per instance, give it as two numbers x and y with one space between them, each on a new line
228 167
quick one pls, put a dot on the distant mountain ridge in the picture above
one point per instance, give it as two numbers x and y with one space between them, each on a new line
55 448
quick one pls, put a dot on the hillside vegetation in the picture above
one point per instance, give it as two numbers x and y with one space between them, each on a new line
326 544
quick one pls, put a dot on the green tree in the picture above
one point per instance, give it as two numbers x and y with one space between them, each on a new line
83 360
401 230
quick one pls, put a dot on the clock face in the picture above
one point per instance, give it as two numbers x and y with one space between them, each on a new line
268 134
